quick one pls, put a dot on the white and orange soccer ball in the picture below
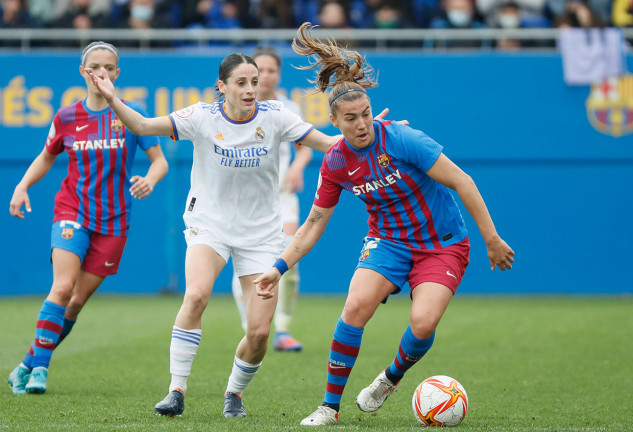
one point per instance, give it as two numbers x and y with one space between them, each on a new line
440 401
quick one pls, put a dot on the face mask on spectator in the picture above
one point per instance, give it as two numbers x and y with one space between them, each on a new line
142 13
458 18
509 21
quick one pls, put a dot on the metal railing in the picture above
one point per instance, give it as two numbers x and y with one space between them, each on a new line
29 39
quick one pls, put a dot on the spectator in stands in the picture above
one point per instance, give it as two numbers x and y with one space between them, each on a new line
15 15
577 13
143 15
508 17
43 11
389 16
332 15
363 13
220 14
531 12
273 14
82 15
456 14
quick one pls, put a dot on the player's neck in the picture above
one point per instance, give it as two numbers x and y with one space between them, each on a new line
96 103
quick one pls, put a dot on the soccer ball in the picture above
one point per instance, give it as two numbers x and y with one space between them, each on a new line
440 401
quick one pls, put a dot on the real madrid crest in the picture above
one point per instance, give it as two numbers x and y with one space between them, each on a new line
193 232
116 125
383 160
260 134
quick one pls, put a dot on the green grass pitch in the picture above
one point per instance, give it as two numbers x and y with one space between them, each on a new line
527 363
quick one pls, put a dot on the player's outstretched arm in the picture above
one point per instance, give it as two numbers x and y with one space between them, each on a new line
444 171
134 121
36 171
303 241
143 186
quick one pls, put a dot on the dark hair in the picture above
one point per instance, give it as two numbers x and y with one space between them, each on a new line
229 63
96 45
267 51
340 69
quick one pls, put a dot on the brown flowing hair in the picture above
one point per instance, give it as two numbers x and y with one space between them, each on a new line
337 68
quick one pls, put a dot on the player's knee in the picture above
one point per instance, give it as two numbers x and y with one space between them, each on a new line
258 336
423 328
196 299
356 313
62 290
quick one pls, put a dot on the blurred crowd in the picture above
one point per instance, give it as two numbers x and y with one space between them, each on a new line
275 14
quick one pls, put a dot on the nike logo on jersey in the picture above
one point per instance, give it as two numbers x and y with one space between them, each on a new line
353 172
336 366
451 274
377 184
108 264
80 128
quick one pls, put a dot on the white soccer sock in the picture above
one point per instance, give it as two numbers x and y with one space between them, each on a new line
239 299
288 290
183 348
241 375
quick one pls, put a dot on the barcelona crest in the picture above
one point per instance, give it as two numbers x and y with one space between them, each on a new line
364 255
67 233
260 134
610 106
116 125
383 160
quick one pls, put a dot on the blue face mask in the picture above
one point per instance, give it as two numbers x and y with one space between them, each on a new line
142 12
458 18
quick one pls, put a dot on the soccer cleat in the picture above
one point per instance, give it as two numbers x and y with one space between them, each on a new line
37 380
285 342
173 405
322 416
371 398
18 379
233 405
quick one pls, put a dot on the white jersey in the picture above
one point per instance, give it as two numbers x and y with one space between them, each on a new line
285 148
235 174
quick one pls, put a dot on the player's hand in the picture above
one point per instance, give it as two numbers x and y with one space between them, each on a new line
500 254
20 198
141 187
102 82
293 181
384 113
265 283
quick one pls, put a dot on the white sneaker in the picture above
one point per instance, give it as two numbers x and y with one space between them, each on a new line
371 398
322 416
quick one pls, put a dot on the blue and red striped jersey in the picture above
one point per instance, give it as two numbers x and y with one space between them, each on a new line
405 205
100 154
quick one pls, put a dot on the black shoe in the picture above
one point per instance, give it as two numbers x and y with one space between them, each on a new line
233 405
173 405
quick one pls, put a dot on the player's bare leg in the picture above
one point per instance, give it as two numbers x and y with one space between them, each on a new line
202 267
251 349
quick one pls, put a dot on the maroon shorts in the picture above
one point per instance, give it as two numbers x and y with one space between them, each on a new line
445 266
104 254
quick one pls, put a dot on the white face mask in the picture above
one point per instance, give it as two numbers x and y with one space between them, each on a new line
458 18
142 12
509 21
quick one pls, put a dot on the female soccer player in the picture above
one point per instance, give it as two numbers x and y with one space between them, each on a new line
416 232
92 209
291 181
232 209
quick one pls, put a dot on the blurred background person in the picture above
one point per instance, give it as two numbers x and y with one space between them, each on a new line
456 14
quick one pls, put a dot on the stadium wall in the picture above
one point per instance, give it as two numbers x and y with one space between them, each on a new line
554 164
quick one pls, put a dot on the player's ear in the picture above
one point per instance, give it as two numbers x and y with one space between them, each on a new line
116 75
333 120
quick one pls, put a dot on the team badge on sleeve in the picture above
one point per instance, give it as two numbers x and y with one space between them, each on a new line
67 233
185 112
383 160
260 134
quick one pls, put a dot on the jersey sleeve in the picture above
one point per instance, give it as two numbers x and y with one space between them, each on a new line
328 190
186 122
417 148
144 142
292 127
55 139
